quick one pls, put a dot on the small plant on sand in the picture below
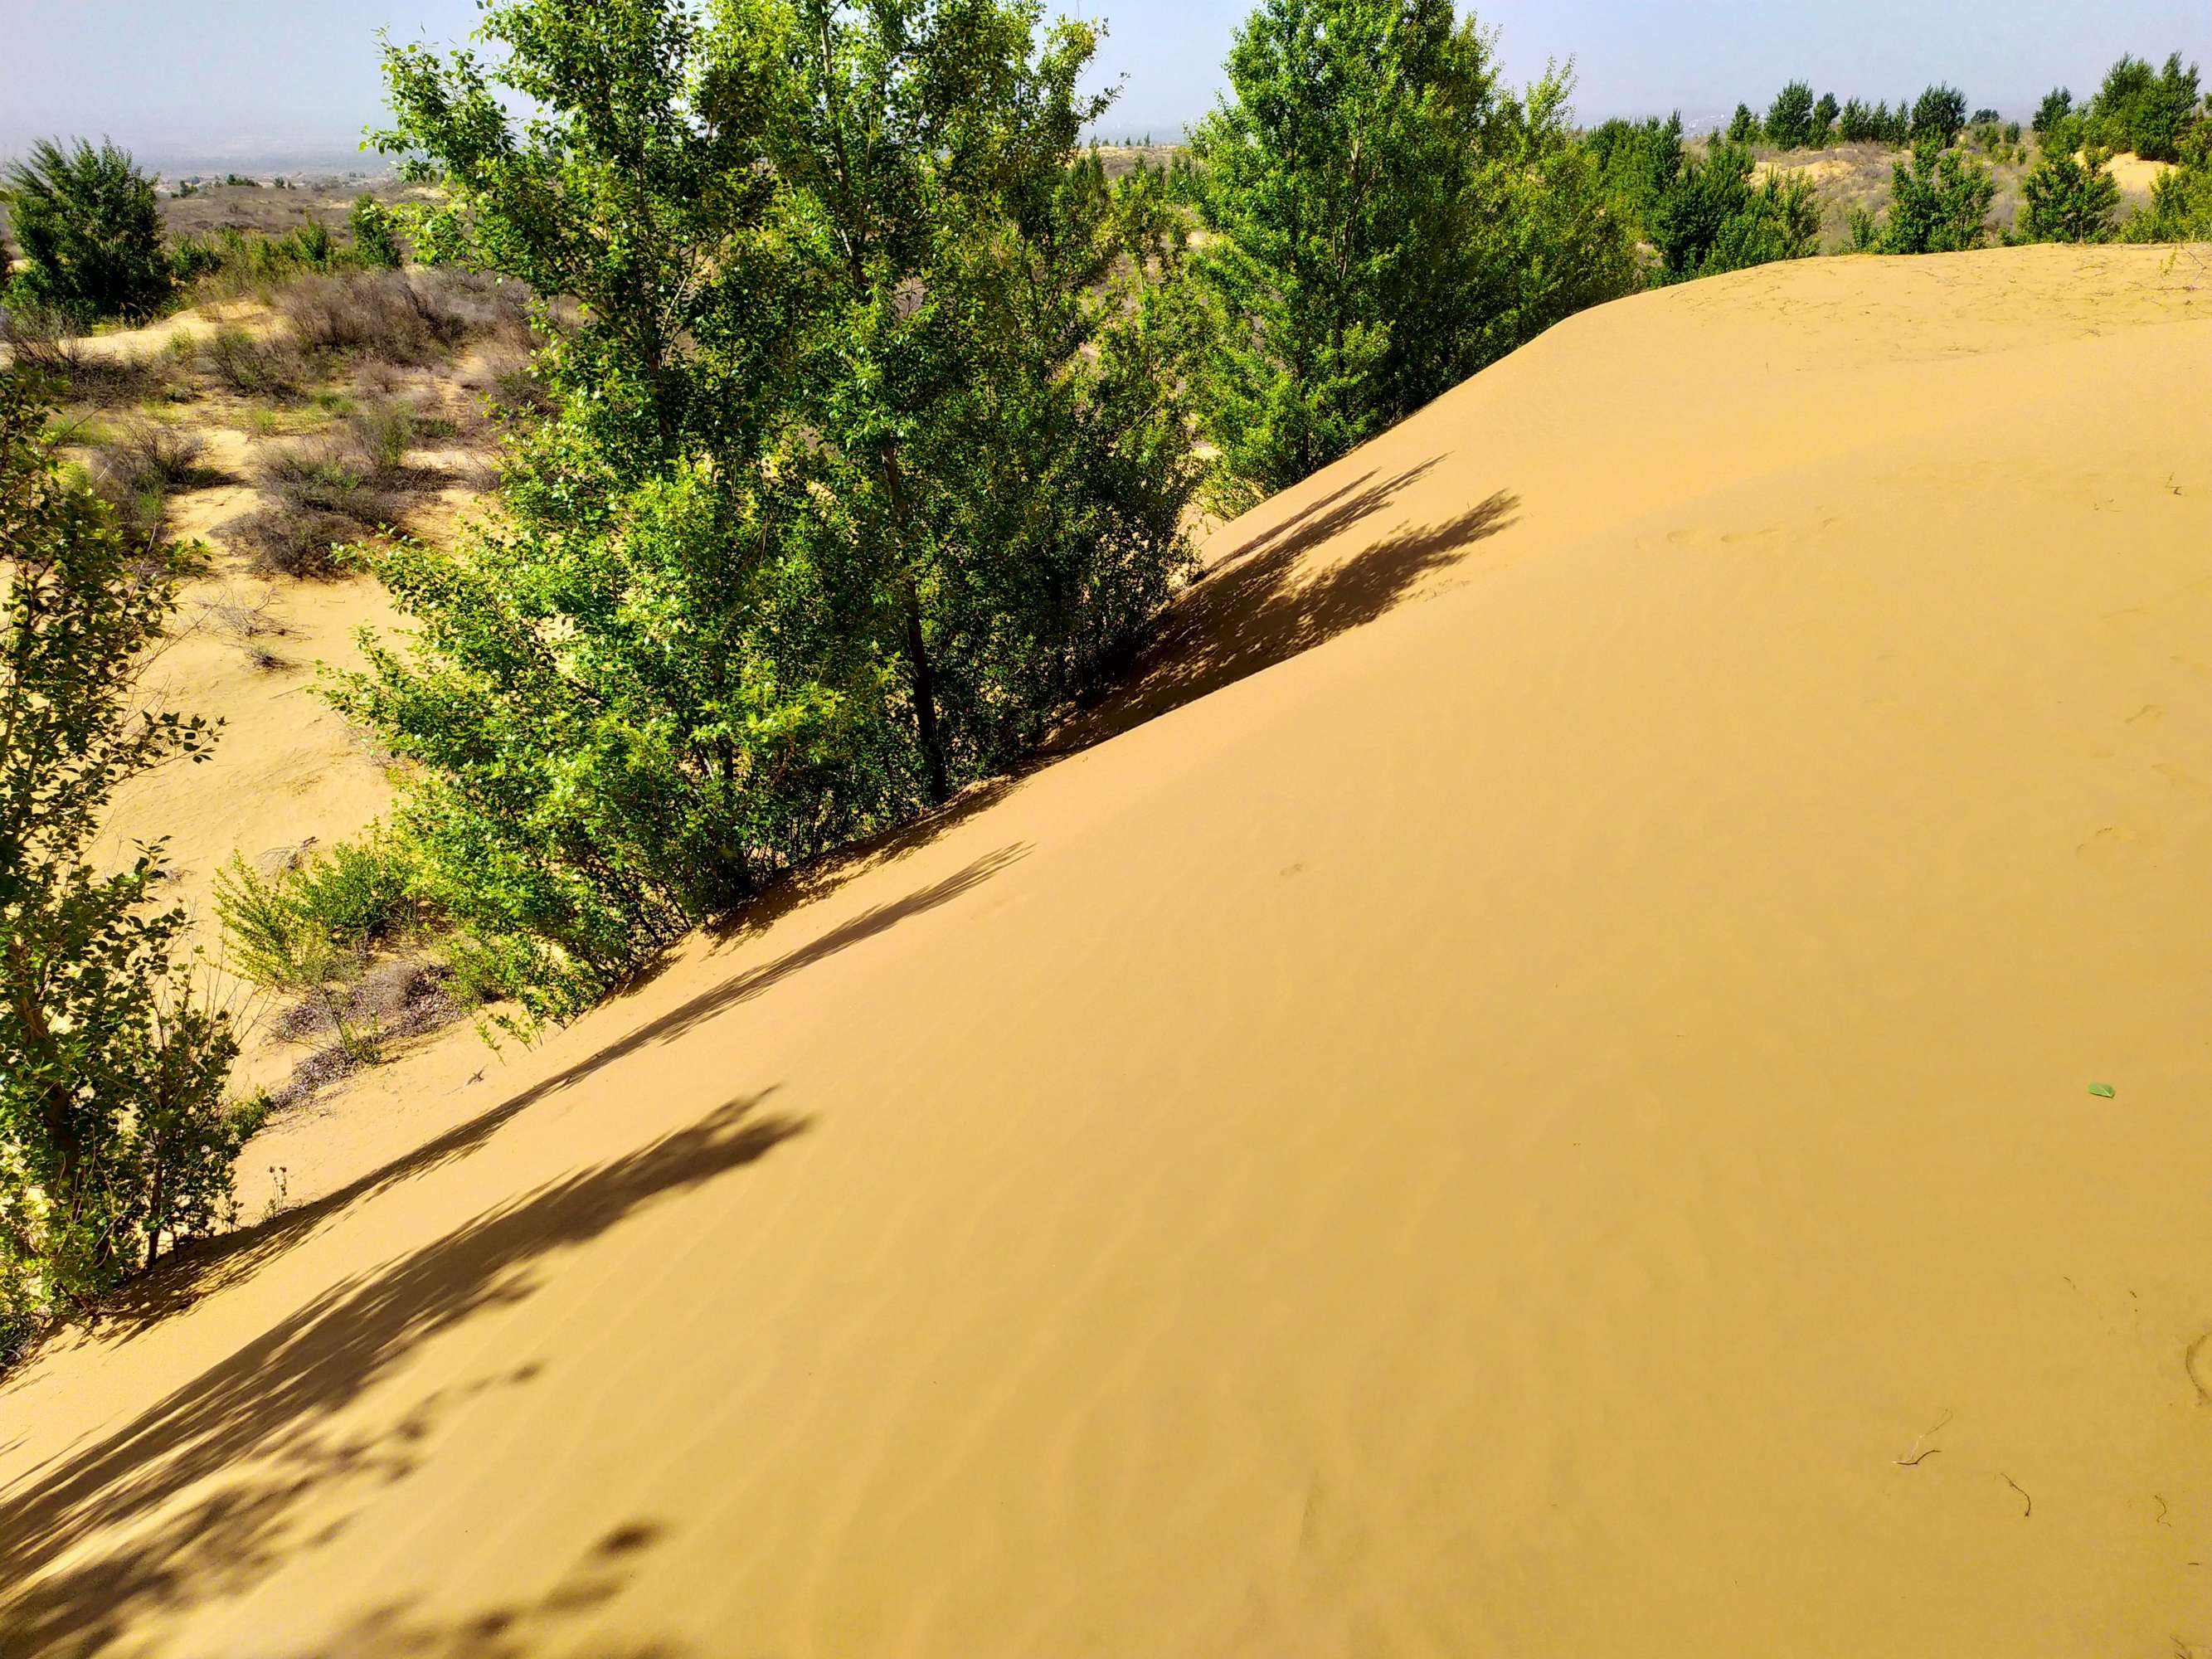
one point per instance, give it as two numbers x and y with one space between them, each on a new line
115 1140
312 926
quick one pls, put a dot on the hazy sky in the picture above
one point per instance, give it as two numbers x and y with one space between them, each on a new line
202 78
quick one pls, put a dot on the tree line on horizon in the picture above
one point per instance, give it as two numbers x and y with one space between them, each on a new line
868 427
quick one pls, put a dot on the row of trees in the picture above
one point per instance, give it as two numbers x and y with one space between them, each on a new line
1798 120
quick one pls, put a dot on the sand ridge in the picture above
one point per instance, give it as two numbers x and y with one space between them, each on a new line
1524 1090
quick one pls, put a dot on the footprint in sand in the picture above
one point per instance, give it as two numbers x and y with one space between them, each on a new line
2113 844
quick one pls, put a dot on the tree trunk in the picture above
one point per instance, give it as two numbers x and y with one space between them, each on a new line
925 699
921 680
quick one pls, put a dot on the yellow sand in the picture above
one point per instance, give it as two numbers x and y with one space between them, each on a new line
1539 1105
2135 175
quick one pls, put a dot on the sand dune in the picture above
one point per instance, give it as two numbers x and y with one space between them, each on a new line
1527 1091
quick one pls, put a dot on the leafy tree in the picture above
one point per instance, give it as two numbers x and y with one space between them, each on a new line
1854 124
868 454
1940 205
1939 113
1382 220
1825 114
1636 162
90 232
2057 106
2068 199
1714 219
1789 120
1743 127
114 1138
2145 110
375 233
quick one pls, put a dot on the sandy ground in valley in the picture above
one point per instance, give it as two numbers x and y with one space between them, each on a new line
1531 1096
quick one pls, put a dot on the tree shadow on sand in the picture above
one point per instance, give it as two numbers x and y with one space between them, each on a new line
262 1424
202 1268
1255 608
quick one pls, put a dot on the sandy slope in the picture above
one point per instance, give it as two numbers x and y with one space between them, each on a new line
1555 1121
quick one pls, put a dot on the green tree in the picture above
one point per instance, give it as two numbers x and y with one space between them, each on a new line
1939 113
1714 219
1384 220
1825 115
114 1138
2068 199
1789 120
1743 127
2145 110
90 232
1637 161
2056 106
868 455
1940 205
375 233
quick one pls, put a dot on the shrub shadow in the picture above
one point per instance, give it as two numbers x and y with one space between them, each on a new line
262 1418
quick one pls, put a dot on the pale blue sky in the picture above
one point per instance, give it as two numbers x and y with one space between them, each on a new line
202 78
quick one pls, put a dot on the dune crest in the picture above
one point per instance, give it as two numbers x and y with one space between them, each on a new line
1525 1089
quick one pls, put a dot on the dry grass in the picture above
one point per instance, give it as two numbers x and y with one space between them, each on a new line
398 317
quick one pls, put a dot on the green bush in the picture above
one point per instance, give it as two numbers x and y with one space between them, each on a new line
89 230
2066 200
1940 205
115 1140
1713 218
1637 161
317 922
375 233
2149 111
1743 128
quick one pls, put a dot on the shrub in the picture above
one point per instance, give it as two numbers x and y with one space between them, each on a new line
304 543
1714 219
812 542
375 233
1940 115
2064 199
136 465
2056 108
90 232
253 366
1743 128
114 1137
1940 205
315 924
2147 111
335 476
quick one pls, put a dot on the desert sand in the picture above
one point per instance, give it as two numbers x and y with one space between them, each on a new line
1527 1091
